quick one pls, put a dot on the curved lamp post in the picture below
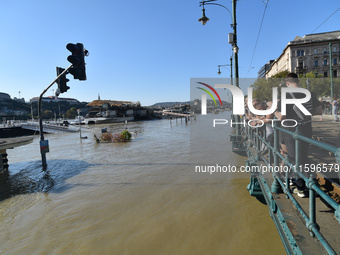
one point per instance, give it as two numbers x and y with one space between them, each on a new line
231 69
233 42
233 39
204 18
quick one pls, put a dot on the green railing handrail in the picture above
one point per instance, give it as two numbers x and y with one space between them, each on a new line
321 145
311 141
310 182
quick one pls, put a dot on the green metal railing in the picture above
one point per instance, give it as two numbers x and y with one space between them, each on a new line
278 185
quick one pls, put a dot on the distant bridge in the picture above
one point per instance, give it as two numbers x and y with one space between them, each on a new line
173 114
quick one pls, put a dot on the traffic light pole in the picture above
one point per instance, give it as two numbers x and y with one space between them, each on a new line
41 131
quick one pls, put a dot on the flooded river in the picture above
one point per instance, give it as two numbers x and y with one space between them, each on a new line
141 197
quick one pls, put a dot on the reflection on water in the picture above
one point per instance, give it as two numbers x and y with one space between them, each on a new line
141 197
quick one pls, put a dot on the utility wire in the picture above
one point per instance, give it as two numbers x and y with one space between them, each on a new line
325 20
257 39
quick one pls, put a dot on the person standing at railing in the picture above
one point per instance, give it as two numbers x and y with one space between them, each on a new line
335 109
323 110
287 142
262 120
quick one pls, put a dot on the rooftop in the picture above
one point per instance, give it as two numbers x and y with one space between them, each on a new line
110 102
327 36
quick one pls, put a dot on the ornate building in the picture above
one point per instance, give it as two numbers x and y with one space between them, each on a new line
310 53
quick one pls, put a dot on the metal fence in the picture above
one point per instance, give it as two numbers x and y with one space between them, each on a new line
258 136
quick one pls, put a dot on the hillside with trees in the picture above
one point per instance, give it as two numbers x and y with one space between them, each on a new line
10 108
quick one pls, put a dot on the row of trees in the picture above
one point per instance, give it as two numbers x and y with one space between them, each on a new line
50 109
70 114
262 88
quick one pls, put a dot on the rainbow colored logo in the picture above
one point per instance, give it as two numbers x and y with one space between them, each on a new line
209 93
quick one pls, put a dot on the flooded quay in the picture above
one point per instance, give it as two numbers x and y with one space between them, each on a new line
139 197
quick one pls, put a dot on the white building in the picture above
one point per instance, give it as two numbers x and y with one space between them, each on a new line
309 53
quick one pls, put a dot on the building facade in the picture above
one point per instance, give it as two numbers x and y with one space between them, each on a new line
310 53
262 72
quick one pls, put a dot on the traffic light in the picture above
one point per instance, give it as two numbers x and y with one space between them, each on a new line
62 81
77 60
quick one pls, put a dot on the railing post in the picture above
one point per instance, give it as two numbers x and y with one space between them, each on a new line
312 205
297 155
257 139
276 187
297 149
250 132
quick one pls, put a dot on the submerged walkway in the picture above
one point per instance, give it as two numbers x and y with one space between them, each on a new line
10 143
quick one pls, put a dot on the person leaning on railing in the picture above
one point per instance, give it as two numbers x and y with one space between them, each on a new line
263 120
287 142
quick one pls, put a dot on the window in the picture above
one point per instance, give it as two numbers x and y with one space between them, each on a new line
334 49
335 73
300 64
335 61
325 74
325 62
324 50
316 62
315 51
300 53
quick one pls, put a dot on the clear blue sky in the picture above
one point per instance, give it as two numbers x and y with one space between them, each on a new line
144 51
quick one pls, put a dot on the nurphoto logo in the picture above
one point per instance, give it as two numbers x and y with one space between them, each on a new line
204 97
238 104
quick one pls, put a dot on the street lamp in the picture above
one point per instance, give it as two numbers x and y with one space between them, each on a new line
219 70
203 19
236 139
231 69
233 38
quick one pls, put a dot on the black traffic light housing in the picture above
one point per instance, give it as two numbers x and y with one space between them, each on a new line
62 81
77 60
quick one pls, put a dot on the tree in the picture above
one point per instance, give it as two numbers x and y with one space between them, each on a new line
320 86
262 88
72 113
282 74
47 114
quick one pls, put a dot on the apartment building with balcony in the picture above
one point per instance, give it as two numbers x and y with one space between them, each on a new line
310 53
